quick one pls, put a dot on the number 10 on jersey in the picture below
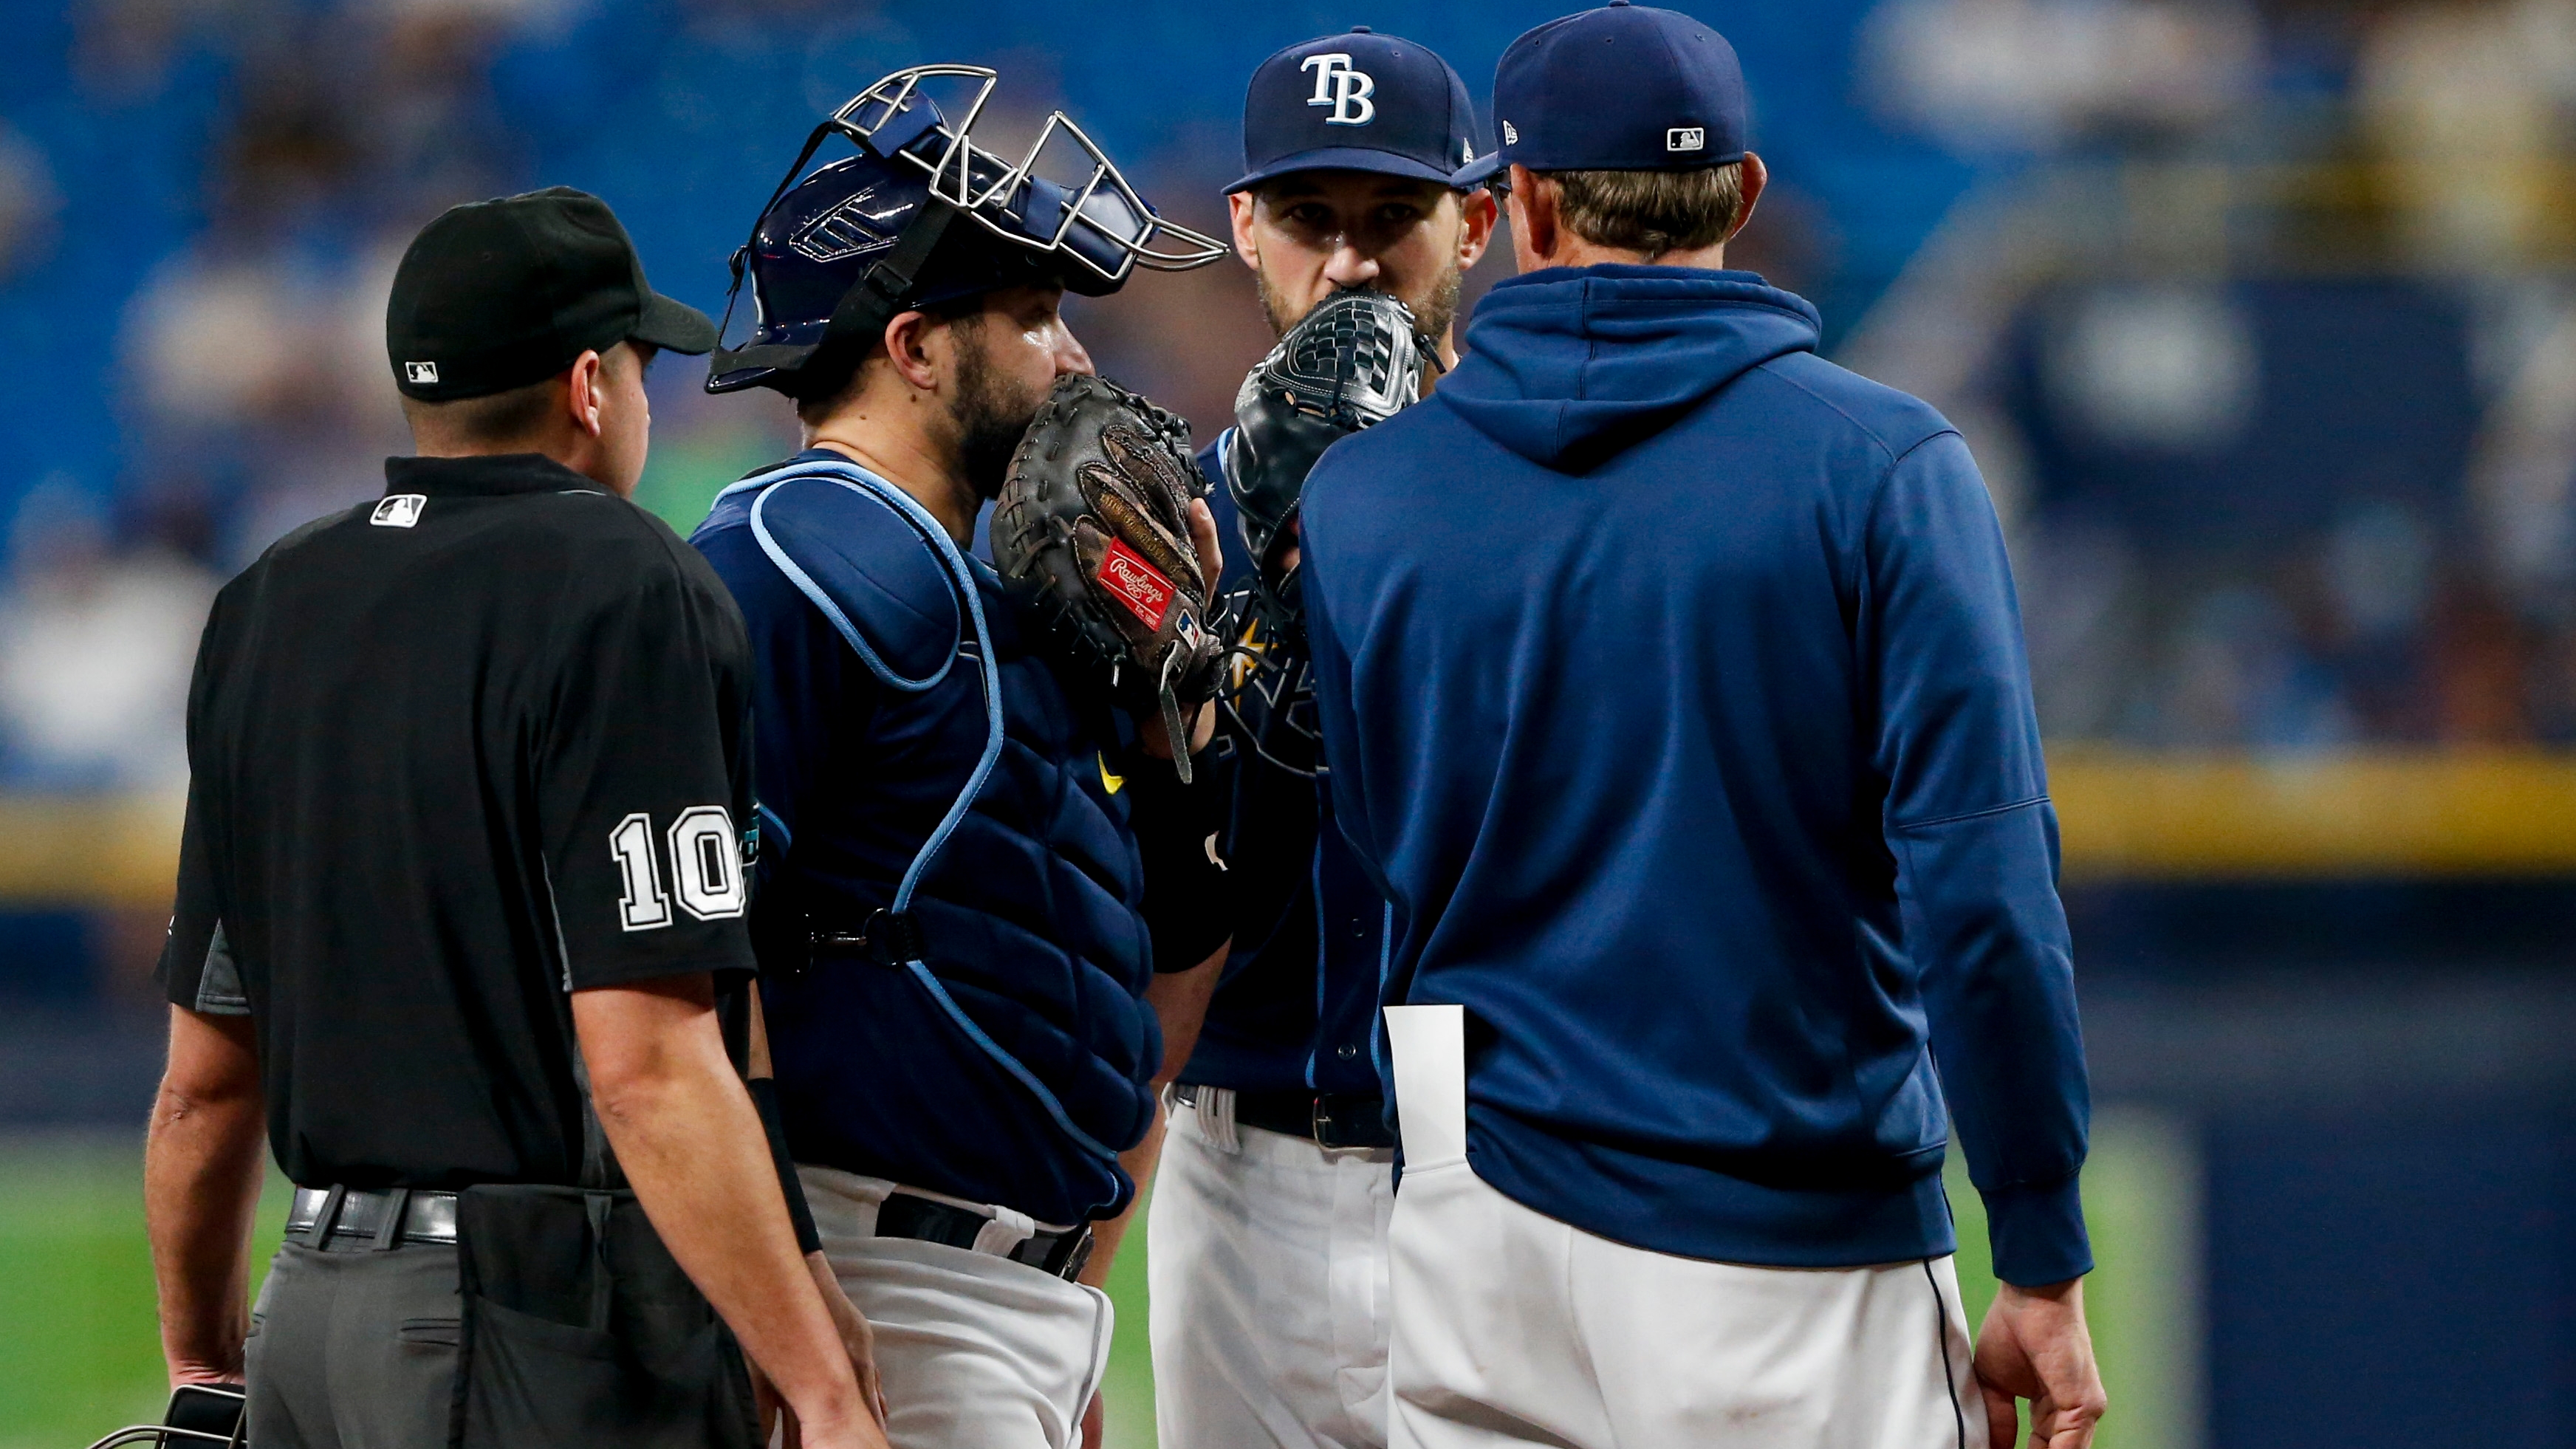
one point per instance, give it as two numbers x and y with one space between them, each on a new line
706 868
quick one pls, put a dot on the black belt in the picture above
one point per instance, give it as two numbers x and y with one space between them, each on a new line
902 1215
355 1219
1327 1119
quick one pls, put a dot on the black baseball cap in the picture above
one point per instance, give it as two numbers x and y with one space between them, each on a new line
499 294
1356 102
1622 88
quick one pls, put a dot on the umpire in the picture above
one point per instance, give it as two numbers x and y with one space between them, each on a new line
460 864
1674 692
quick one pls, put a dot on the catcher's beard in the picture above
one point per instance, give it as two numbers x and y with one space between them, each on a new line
1432 314
991 413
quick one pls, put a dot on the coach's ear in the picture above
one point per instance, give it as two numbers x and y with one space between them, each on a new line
1756 177
1535 232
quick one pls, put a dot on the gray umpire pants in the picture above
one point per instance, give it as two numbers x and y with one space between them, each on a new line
354 1350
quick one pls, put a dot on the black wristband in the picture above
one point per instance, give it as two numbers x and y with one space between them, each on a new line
1189 896
764 1096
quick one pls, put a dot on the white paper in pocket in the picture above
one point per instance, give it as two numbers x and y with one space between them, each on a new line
1430 1047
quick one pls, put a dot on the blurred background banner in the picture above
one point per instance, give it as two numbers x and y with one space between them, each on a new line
2260 314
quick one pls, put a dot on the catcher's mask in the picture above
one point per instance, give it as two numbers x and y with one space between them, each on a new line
925 215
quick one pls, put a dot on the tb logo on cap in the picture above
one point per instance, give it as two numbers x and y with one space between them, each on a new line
1346 90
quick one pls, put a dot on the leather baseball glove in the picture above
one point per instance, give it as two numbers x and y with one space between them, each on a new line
1350 363
1093 530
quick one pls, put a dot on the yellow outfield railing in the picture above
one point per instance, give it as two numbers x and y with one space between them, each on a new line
110 851
2126 815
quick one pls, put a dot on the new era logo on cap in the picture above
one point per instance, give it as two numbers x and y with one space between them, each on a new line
1686 138
421 372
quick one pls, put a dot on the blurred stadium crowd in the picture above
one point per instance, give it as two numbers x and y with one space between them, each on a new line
2258 311
2260 314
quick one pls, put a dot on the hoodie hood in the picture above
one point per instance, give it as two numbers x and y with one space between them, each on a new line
1570 366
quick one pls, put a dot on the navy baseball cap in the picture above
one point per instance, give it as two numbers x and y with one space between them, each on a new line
1622 88
1356 102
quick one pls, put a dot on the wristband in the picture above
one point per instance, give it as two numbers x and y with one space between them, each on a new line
764 1097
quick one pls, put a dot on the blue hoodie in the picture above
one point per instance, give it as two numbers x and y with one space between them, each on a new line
1673 688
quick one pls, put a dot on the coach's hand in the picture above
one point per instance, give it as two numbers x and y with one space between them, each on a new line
2035 1346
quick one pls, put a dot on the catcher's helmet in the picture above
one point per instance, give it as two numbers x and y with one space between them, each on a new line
924 215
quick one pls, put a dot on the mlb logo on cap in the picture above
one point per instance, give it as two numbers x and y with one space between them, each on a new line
1622 88
1356 102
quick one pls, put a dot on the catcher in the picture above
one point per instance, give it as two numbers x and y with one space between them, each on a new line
949 907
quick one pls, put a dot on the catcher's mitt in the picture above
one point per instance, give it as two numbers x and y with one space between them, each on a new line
1350 363
1093 529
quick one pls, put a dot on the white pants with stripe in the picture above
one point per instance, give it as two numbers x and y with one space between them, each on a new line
1268 1275
976 1351
1512 1328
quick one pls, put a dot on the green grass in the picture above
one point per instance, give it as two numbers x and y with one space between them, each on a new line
79 1352
79 1355
2141 1201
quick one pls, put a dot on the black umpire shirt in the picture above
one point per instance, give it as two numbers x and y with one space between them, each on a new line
455 753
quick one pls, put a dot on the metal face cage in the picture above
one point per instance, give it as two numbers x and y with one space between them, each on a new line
1093 216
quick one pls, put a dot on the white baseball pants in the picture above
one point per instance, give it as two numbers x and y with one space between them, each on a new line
977 1351
1268 1275
1512 1328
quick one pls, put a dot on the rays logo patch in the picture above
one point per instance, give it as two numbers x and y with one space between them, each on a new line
1346 90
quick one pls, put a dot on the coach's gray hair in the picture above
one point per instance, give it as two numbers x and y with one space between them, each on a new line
1653 212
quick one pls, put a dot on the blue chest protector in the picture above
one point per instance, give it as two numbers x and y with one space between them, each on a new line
920 763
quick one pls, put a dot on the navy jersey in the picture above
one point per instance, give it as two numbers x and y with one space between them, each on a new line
1015 1063
1297 1006
1677 699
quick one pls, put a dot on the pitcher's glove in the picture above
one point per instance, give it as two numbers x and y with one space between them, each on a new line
1093 529
1351 363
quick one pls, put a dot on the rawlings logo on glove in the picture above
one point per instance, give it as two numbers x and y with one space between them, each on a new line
1133 582
1093 529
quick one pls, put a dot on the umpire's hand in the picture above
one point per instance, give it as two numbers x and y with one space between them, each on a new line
2035 1346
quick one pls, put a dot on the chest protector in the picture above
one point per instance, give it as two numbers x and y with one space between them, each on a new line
1017 920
